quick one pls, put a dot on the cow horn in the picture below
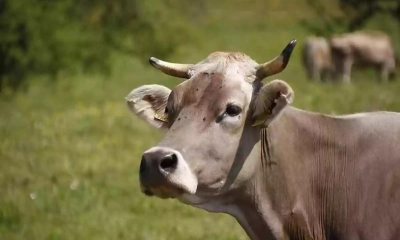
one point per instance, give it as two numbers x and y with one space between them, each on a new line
277 64
173 69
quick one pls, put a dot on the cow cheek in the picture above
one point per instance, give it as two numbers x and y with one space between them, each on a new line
212 172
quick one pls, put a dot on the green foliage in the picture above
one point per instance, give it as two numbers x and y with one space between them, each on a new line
49 37
360 11
328 18
349 15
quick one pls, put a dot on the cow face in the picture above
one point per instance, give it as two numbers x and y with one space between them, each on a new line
213 123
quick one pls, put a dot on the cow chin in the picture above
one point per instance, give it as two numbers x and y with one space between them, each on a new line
163 192
168 191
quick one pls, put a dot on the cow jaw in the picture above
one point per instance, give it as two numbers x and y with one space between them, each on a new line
209 203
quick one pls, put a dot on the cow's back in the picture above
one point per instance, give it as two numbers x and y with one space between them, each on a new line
368 47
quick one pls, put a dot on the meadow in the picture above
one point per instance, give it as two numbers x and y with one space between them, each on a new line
70 149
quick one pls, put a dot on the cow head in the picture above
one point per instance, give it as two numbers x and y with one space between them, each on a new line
213 121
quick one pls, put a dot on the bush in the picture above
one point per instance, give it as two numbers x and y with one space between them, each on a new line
50 36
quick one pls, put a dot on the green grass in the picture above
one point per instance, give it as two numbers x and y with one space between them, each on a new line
70 151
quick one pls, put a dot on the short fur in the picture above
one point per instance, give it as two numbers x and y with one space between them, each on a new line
298 175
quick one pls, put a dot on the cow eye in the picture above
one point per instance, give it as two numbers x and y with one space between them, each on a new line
233 110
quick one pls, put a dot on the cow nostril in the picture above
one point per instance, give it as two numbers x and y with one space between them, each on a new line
169 162
142 167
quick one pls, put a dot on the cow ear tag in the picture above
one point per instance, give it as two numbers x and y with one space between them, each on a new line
260 120
163 118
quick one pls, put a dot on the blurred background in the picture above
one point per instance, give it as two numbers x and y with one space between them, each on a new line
69 147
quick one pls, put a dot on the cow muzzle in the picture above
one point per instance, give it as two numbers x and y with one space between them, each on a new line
165 174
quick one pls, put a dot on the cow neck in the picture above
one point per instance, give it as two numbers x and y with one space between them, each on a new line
263 210
257 218
254 209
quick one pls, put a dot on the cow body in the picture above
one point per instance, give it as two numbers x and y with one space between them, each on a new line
317 58
334 177
282 172
363 49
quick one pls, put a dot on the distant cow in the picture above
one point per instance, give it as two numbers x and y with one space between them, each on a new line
317 58
363 49
234 144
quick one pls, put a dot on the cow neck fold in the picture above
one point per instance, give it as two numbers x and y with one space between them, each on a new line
268 210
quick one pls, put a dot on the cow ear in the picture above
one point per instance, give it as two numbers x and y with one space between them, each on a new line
271 99
148 102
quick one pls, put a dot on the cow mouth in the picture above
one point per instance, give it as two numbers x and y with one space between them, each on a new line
148 192
163 192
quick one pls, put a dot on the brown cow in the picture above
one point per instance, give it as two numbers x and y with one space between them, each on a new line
233 145
316 56
363 49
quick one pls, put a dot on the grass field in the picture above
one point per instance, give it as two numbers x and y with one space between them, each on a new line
70 151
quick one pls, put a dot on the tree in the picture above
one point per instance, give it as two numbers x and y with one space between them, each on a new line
354 14
49 36
360 11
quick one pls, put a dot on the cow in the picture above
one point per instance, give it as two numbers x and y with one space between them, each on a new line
316 58
364 50
238 146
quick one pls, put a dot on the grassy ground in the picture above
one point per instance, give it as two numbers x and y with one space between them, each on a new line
69 152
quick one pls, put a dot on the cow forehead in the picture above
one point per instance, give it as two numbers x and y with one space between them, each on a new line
214 89
222 78
234 65
227 56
